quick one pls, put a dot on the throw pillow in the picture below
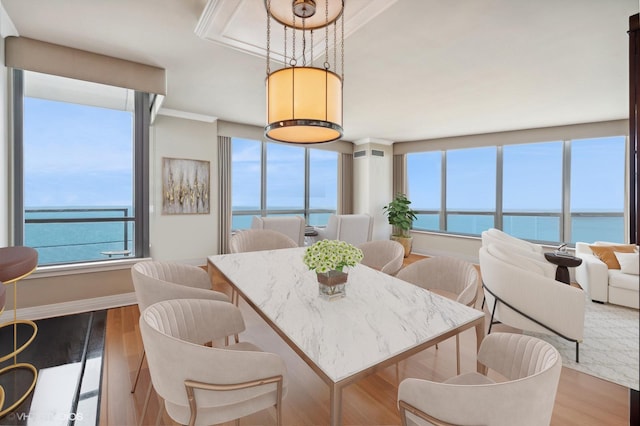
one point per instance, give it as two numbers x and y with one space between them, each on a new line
629 262
606 253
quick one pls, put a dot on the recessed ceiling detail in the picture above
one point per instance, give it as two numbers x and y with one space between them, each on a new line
241 25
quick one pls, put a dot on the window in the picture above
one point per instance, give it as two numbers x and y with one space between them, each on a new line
532 190
275 179
470 190
424 171
552 192
77 173
597 189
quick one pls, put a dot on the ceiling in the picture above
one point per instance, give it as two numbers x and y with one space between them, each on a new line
414 69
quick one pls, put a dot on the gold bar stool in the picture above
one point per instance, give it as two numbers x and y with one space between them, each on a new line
15 264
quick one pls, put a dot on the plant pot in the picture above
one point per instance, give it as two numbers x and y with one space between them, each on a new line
332 284
406 243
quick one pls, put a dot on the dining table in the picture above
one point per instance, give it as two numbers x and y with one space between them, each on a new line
381 321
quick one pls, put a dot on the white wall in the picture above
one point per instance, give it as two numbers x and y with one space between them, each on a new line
185 238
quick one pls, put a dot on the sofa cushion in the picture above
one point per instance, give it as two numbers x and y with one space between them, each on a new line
621 280
606 253
629 262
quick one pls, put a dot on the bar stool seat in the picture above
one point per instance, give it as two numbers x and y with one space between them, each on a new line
15 264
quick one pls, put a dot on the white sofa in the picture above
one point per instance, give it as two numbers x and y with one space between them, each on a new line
602 284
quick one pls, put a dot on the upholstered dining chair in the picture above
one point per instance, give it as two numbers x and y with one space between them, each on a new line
291 226
352 228
208 385
454 278
384 255
157 281
532 370
259 239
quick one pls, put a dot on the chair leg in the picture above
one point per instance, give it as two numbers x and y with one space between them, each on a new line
146 404
458 354
135 383
160 409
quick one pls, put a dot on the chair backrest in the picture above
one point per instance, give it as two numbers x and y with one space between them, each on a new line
352 228
450 274
173 333
496 236
532 368
291 226
384 255
259 239
155 281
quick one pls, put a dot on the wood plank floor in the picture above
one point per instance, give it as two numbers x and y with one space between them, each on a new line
581 400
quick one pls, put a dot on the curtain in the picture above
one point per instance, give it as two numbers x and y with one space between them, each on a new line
345 179
224 193
399 184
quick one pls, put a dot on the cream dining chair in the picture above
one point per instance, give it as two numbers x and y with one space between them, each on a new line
203 385
384 255
259 239
157 281
454 278
531 368
291 226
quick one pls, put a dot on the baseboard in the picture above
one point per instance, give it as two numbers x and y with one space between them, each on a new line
71 307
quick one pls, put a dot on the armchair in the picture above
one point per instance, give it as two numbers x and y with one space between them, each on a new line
603 284
291 226
521 293
208 385
531 366
352 228
384 255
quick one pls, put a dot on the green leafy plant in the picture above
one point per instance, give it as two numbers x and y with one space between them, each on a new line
326 255
400 215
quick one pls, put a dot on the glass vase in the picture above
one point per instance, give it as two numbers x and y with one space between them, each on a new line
332 284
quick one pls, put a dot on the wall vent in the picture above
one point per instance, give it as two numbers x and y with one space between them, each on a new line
377 153
359 154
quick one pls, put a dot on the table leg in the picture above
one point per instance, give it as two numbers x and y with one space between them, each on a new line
482 369
336 405
562 274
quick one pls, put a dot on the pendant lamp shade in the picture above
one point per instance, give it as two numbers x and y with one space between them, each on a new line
304 105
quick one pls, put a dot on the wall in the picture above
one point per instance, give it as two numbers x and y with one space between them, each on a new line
185 238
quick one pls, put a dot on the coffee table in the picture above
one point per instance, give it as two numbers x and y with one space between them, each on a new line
380 322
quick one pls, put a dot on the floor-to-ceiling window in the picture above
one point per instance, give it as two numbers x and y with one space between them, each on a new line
270 179
75 169
557 191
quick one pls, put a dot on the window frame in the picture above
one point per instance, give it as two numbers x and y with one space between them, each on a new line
140 189
306 211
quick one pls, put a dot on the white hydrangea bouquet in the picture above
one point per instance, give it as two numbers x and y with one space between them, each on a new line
331 255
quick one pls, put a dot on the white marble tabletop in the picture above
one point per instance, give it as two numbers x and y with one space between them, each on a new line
380 317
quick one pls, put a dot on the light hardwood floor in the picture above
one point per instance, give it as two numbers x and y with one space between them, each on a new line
581 400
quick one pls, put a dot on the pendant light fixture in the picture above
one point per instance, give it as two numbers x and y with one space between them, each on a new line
304 96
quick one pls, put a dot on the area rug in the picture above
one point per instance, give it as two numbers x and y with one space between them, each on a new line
67 352
610 347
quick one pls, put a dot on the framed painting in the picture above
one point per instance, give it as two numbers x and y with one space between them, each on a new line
185 186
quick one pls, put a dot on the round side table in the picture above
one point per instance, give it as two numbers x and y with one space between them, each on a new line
564 262
15 264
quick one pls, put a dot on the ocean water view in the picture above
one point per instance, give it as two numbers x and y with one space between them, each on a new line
84 234
78 234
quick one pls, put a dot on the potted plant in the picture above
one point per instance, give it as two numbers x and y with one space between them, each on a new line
328 258
401 217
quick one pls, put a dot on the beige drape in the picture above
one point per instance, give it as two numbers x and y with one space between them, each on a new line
399 185
345 183
224 193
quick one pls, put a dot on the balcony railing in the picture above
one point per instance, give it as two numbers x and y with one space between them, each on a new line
72 235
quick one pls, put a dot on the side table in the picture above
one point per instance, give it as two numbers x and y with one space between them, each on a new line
564 262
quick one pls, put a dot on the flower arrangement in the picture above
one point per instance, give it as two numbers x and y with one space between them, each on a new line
326 255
